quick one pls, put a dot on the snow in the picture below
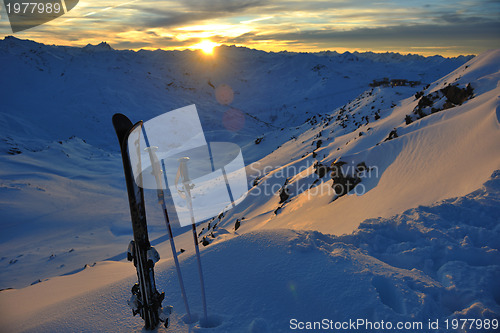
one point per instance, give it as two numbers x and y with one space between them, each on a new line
429 161
416 240
419 265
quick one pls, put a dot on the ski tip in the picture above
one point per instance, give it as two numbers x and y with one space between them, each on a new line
122 125
119 118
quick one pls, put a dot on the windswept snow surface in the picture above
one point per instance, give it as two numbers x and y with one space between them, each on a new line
430 263
416 240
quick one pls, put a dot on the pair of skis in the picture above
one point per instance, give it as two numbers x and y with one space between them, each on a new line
146 300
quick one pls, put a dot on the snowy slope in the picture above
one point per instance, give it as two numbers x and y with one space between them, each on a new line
62 195
433 262
420 243
445 154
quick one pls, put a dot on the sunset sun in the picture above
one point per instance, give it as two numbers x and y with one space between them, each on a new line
206 46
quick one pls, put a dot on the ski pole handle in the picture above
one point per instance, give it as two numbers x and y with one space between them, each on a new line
184 169
156 171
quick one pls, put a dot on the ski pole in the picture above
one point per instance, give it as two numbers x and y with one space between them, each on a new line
157 170
183 172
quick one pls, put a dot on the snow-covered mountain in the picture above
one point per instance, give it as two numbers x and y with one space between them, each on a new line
75 91
416 139
442 150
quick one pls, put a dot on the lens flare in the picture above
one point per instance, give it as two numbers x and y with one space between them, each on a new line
224 94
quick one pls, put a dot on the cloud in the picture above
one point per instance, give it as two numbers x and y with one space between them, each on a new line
172 19
439 32
467 26
150 43
148 16
224 6
451 29
455 18
460 37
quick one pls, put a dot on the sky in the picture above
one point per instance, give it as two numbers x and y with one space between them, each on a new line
447 27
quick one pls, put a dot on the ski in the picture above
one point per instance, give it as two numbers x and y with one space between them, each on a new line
145 300
157 171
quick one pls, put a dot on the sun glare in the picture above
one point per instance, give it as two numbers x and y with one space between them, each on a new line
206 46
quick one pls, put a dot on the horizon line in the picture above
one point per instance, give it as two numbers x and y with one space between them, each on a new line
253 48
